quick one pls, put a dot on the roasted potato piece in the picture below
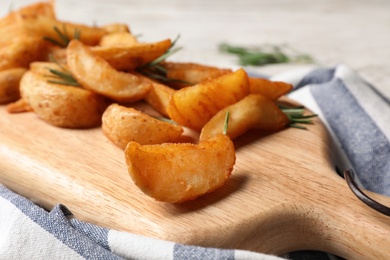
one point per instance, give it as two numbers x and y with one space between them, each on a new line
269 89
191 73
61 105
159 96
44 67
21 51
116 27
9 84
118 39
253 111
37 9
19 106
132 56
10 26
195 106
43 26
124 124
180 172
96 74
57 54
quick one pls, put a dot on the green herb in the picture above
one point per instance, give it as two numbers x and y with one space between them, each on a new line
155 70
63 76
63 36
226 124
167 120
263 55
297 117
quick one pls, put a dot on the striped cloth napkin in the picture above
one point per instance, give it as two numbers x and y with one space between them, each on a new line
356 114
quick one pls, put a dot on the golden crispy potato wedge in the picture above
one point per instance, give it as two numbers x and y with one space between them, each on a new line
21 51
195 106
19 106
269 89
132 56
253 111
191 73
43 26
180 172
44 67
116 27
118 39
10 26
37 9
56 54
124 124
61 105
159 96
96 74
9 84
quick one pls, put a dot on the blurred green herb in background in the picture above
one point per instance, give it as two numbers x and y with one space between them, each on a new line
267 54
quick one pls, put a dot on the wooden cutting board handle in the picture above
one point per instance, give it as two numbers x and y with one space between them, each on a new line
327 216
306 205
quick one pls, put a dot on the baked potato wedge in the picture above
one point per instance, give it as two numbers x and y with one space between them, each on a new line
122 124
194 106
19 106
96 74
21 51
11 26
61 105
187 74
9 84
116 27
118 39
43 26
129 57
158 97
269 89
181 172
252 112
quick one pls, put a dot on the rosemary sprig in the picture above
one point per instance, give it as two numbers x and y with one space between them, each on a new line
63 76
263 55
155 70
167 120
226 124
63 36
297 117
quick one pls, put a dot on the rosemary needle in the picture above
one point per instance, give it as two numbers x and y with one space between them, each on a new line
63 76
226 124
63 36
154 70
297 117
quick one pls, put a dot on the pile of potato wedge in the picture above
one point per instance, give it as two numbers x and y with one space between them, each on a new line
78 76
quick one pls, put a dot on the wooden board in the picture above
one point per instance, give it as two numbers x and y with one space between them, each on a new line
282 196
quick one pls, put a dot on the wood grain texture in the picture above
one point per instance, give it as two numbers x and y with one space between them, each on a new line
282 196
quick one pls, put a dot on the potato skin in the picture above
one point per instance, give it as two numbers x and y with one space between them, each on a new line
9 84
180 172
269 89
194 106
191 73
60 105
124 124
252 112
21 51
126 58
96 74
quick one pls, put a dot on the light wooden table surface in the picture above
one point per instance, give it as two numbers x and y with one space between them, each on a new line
353 32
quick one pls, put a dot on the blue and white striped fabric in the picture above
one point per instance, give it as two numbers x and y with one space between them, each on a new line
355 113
